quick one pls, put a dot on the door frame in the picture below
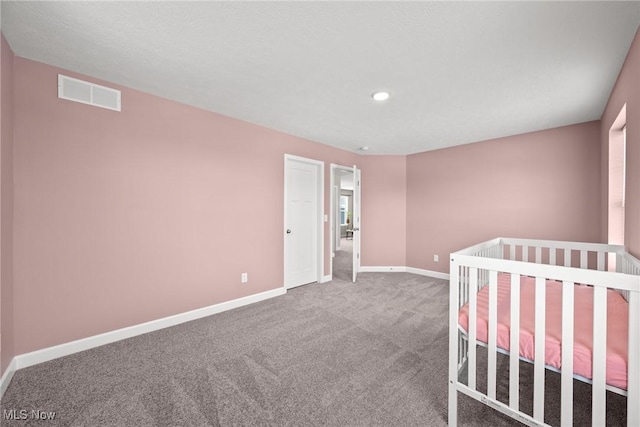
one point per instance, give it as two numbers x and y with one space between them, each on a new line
320 216
357 223
335 232
333 168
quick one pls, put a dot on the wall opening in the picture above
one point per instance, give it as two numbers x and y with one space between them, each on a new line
617 182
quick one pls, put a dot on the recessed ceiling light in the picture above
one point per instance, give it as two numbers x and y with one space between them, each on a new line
363 148
380 96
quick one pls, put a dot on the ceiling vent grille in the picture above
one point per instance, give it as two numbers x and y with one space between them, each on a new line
88 93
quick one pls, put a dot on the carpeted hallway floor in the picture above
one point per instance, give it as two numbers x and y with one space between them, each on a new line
343 261
337 354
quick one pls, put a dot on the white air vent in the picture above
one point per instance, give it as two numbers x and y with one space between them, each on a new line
88 93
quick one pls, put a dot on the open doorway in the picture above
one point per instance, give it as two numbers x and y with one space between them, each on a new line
617 182
343 260
344 223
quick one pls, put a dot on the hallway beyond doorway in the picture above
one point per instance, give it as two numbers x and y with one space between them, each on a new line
343 261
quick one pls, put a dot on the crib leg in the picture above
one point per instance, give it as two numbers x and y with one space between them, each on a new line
453 404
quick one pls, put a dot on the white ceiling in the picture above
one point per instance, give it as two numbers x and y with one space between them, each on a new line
458 72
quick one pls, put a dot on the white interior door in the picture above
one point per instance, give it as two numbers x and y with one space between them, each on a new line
302 219
356 222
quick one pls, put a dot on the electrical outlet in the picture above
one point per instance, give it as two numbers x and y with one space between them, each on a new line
244 278
436 258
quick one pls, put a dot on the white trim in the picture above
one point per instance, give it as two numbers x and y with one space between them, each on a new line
50 353
334 229
326 278
357 221
320 260
382 269
6 377
429 273
403 269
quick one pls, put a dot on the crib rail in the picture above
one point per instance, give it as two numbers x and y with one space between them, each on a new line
566 262
627 264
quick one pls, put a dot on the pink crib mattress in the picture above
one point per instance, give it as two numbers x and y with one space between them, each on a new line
617 326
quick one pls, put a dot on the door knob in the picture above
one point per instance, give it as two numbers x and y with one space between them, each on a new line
288 231
356 229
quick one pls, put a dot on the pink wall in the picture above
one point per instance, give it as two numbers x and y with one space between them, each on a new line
384 210
626 90
6 205
537 185
123 218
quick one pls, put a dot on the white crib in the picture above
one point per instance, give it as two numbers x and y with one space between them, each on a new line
578 267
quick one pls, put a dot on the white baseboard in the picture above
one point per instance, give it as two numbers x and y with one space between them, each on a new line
403 269
382 269
430 273
326 278
6 377
50 353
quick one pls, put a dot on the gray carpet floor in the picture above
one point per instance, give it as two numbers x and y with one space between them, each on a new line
343 261
335 354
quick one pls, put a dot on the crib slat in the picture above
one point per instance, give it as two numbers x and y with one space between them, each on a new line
525 253
566 410
464 285
583 259
514 345
598 402
460 282
600 261
538 254
512 252
493 321
473 304
552 256
567 257
619 261
465 346
539 362
633 374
